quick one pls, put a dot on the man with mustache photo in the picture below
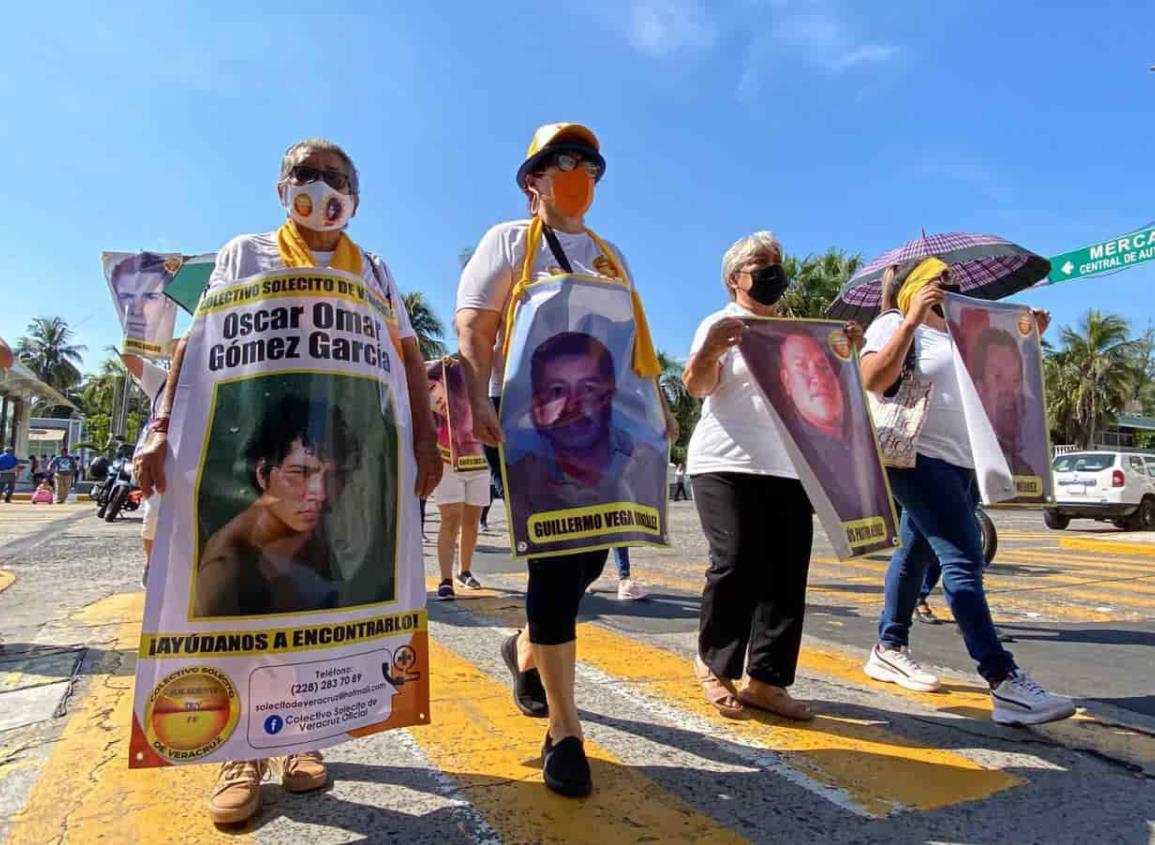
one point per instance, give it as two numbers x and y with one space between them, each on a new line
583 458
998 371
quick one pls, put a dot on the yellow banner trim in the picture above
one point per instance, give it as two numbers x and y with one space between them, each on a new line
592 521
201 644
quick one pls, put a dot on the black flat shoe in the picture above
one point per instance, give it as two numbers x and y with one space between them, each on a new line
528 693
565 768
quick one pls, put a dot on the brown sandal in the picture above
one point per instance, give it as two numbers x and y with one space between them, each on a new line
776 700
719 692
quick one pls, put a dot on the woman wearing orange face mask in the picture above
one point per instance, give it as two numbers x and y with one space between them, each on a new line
558 177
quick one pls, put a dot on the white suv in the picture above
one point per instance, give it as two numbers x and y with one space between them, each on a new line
1115 486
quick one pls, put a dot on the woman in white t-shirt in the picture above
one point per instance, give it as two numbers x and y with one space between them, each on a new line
938 498
754 512
319 191
558 178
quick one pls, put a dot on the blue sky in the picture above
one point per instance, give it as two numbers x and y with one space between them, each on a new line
850 124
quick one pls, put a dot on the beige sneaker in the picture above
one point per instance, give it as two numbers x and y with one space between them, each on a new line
237 793
301 772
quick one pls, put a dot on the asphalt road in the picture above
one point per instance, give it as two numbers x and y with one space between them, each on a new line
879 765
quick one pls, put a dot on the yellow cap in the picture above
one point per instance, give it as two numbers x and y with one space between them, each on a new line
558 135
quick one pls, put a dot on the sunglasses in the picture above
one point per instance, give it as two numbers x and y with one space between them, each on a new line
571 161
303 174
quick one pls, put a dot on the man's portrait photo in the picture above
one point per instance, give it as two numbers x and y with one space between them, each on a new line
817 396
579 449
297 509
138 283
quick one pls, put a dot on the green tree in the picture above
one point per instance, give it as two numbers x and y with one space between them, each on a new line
425 324
685 408
816 280
1092 376
48 351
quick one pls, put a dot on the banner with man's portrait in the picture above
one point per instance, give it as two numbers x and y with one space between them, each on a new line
453 416
585 449
137 282
1000 369
286 599
808 373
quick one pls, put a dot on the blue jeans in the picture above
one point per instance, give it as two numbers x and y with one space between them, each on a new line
930 579
938 502
622 559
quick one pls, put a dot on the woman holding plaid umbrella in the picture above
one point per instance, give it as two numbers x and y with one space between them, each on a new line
938 497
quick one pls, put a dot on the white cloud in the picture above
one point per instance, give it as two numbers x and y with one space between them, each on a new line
818 29
813 31
661 28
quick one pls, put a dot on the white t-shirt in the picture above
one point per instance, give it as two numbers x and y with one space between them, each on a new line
247 255
944 435
735 432
495 267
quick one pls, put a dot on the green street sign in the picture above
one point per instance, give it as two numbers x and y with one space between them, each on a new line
1115 254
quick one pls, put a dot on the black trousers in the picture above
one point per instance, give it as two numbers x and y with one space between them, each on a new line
760 530
556 587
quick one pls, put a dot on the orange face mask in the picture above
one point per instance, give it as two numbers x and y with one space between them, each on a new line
573 191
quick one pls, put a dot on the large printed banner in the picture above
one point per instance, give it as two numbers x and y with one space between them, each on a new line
809 376
453 415
1000 370
286 598
585 447
137 282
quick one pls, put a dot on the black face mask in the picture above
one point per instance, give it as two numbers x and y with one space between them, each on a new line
768 284
946 289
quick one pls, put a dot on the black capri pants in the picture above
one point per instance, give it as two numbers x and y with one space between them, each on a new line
760 529
556 587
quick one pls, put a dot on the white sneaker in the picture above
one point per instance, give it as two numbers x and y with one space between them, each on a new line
1018 700
898 667
630 590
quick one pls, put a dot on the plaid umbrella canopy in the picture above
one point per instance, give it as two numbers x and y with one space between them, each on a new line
985 267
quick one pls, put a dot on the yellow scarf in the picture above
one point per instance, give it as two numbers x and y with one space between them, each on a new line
919 277
645 359
296 253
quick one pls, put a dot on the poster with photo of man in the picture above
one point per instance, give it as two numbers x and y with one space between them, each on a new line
585 449
137 282
453 416
1000 353
285 608
809 376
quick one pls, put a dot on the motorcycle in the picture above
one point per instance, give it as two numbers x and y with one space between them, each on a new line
117 488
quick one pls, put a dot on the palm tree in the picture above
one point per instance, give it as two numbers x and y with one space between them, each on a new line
47 350
816 281
1092 376
685 408
425 324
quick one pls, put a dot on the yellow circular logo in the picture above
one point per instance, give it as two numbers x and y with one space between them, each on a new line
1026 323
839 344
191 713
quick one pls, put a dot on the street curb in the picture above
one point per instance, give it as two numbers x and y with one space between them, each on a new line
1112 546
7 579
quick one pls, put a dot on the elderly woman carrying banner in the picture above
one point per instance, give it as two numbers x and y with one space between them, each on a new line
558 178
754 511
938 497
318 188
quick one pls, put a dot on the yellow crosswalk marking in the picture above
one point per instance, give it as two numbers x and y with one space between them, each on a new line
881 771
479 739
86 789
1108 546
